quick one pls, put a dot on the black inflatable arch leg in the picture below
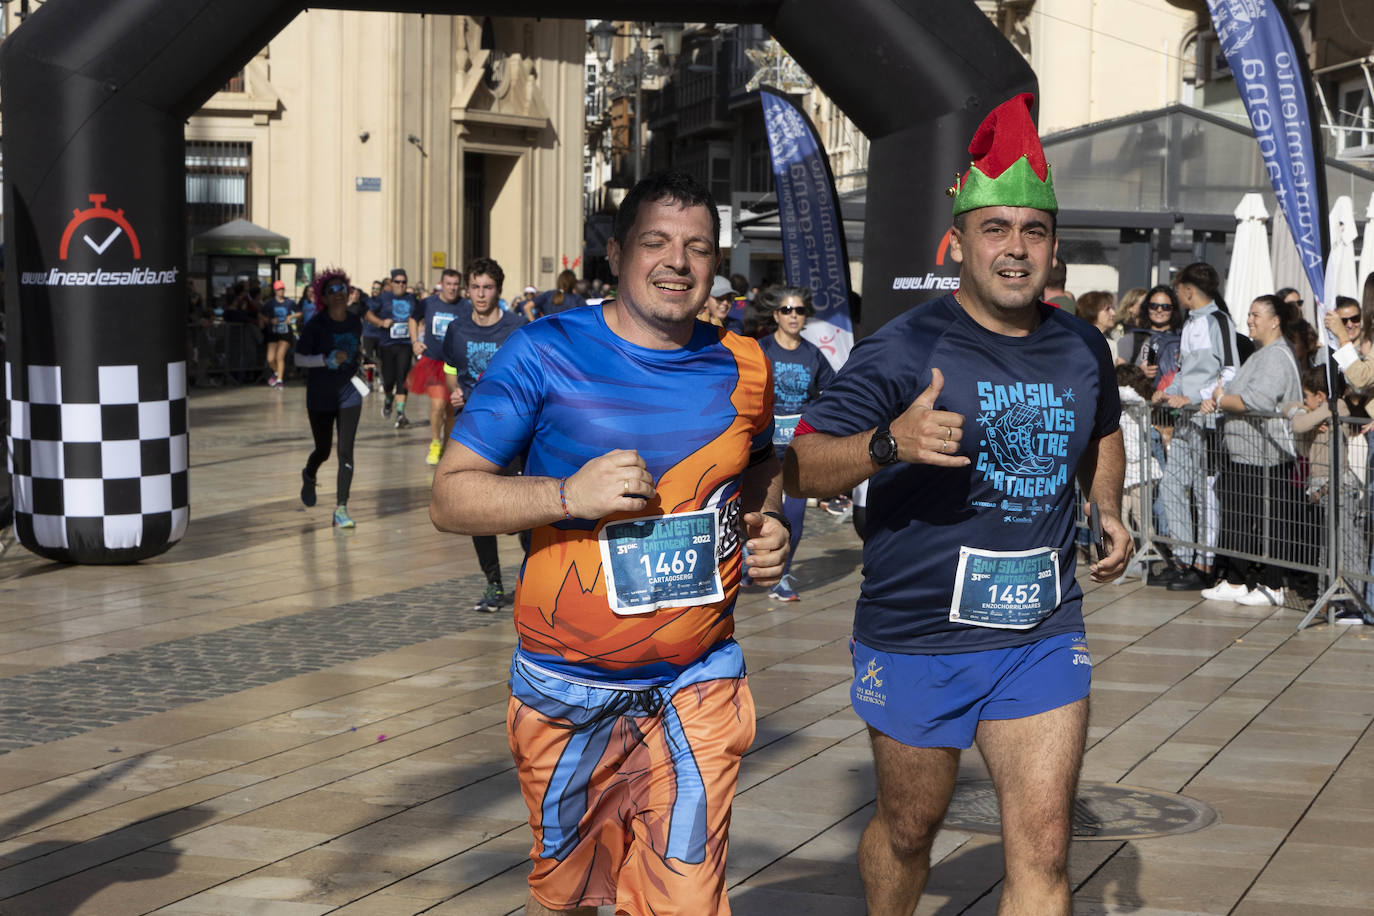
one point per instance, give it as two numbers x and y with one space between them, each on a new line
96 95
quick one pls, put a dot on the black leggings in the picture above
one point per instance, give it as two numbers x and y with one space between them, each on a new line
395 365
322 426
487 557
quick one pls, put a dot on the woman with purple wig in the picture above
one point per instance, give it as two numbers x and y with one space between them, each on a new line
328 347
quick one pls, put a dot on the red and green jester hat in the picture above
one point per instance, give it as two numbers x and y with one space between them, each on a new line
1008 167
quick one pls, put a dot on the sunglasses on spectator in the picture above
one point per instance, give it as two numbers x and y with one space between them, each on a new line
400 280
1161 306
1293 301
791 310
335 288
1354 319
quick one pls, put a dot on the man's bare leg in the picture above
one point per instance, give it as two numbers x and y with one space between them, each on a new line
1034 764
914 788
437 417
535 908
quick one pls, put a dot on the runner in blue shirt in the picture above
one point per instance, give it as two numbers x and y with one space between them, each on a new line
427 329
471 339
973 414
800 373
390 312
329 347
280 314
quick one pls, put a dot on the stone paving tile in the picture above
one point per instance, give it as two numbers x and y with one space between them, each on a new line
68 700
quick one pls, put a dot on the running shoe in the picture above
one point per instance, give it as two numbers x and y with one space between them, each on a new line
402 422
784 591
839 507
491 599
272 380
1225 591
1262 596
342 519
435 447
307 488
1348 614
386 409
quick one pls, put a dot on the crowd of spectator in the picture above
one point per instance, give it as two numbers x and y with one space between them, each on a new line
1231 432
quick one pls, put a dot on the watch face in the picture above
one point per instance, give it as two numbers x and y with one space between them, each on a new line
883 448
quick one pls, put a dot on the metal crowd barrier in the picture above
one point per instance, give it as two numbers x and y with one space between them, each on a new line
225 353
1250 494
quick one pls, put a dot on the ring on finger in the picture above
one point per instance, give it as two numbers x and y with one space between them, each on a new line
949 431
627 486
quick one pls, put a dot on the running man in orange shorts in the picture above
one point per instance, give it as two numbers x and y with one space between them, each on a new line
647 438
427 328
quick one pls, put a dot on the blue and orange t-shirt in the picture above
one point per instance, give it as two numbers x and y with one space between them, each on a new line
567 389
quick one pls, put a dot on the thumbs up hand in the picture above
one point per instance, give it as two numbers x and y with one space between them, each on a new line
926 435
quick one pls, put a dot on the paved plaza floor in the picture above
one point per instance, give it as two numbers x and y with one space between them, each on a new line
279 719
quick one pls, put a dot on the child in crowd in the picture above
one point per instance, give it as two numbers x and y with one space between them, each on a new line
1312 431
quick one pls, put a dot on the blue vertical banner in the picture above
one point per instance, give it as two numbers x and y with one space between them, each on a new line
813 243
1273 81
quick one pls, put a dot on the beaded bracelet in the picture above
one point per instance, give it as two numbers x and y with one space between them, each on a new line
563 498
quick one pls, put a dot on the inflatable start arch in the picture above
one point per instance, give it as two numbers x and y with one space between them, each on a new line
96 95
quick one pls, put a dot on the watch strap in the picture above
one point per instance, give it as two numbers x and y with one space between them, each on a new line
782 519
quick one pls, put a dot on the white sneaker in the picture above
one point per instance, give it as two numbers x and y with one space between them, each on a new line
1262 596
1225 591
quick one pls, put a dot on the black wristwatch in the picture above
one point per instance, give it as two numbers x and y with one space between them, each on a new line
782 520
882 448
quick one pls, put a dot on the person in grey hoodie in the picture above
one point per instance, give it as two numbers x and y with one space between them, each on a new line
1207 359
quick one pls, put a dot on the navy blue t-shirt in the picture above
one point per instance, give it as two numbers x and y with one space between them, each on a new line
435 315
799 376
278 313
546 306
369 329
469 347
399 309
330 387
1031 406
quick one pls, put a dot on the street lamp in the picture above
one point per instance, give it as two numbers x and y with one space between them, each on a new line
603 33
631 72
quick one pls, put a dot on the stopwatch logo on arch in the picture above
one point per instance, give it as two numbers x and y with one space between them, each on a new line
113 246
100 227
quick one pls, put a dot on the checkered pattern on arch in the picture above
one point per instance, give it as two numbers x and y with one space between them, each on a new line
99 457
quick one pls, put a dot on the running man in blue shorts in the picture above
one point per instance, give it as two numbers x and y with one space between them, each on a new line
972 414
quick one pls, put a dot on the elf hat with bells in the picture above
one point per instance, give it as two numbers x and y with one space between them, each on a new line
1008 167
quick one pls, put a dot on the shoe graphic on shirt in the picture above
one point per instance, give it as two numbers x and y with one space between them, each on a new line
1012 439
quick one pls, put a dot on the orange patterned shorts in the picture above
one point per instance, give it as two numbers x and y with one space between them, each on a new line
629 791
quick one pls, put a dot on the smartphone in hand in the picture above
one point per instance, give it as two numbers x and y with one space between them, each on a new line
1095 530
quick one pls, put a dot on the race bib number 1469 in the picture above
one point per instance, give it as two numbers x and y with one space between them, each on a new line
666 561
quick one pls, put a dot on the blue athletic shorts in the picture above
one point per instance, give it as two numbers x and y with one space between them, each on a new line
938 700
